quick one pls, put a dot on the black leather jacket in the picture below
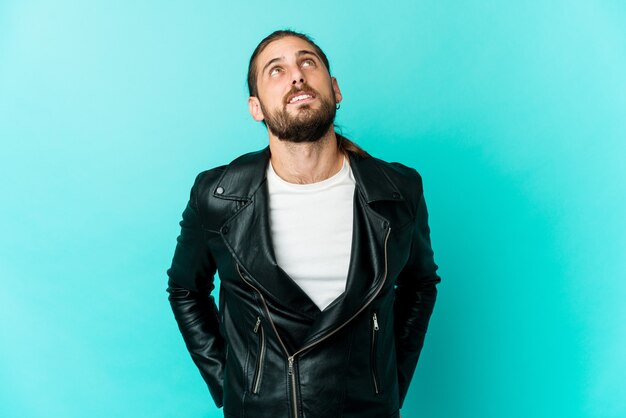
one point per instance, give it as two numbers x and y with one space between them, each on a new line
269 351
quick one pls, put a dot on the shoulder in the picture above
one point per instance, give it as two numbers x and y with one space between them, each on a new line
399 173
208 181
220 191
407 179
205 179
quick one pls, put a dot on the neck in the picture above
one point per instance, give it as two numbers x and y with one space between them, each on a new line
306 162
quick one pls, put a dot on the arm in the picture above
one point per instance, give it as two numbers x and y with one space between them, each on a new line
416 293
189 287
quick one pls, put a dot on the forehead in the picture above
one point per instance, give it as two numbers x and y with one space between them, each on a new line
286 47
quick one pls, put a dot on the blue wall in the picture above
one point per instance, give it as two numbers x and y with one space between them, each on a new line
514 114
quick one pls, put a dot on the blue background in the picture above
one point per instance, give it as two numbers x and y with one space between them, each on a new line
513 112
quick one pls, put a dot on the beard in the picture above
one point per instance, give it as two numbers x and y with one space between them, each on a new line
308 125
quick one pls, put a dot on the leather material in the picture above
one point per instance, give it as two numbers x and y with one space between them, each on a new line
354 359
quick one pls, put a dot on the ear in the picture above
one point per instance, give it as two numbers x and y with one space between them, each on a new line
254 107
338 96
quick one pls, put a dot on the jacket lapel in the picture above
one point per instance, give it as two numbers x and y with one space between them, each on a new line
368 260
247 233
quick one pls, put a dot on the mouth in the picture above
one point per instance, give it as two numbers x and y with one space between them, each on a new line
300 97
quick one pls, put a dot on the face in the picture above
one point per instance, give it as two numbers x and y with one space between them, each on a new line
296 95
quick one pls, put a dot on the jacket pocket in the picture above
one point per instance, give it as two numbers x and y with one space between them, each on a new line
260 358
374 355
177 293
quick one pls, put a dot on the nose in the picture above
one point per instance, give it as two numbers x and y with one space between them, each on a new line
297 78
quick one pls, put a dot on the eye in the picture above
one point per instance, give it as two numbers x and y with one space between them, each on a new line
275 71
308 63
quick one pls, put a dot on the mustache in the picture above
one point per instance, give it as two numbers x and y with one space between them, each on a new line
294 90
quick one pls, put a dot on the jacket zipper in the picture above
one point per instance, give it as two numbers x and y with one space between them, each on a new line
373 352
292 381
291 358
258 329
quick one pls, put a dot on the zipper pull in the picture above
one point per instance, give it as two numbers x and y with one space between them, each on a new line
375 318
290 360
256 326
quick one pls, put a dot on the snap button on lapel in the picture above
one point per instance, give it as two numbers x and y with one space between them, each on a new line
396 195
219 190
225 230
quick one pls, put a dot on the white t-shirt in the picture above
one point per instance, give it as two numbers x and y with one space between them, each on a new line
311 227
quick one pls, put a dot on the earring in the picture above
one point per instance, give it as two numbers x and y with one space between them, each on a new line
338 106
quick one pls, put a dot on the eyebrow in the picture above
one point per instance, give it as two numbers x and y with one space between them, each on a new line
298 54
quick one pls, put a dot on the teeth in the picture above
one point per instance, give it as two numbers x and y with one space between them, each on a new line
301 97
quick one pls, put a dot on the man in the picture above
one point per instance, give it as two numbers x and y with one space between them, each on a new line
323 253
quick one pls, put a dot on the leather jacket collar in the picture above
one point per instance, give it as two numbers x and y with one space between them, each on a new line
246 174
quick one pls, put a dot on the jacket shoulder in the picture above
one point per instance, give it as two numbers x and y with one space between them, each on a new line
209 180
206 179
219 191
407 179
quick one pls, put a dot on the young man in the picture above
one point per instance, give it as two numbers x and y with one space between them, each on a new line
327 274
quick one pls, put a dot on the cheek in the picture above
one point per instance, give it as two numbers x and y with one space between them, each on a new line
273 96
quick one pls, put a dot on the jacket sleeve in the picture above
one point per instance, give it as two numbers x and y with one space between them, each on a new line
190 285
416 293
